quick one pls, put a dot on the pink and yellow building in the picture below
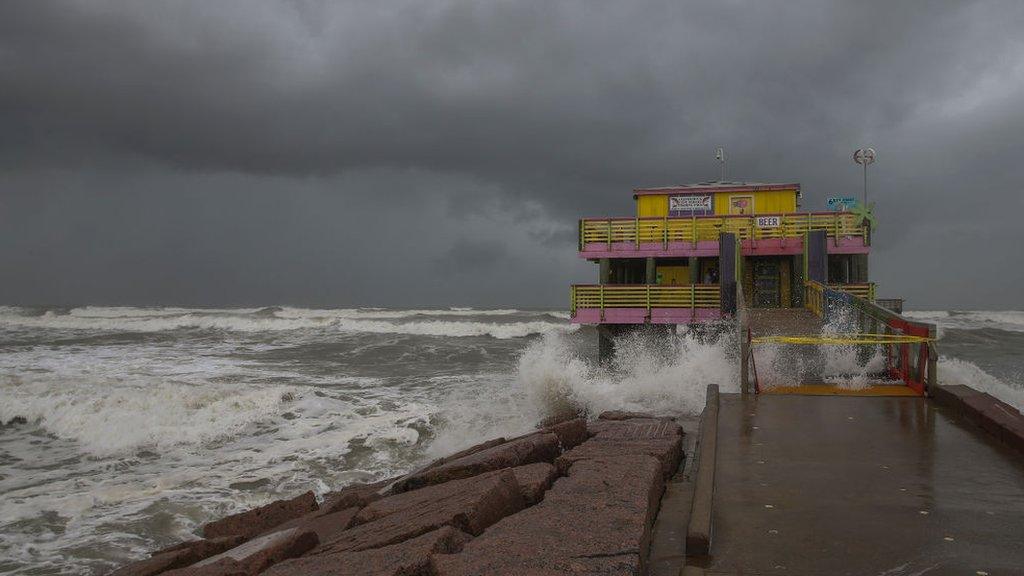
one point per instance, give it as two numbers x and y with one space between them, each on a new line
679 258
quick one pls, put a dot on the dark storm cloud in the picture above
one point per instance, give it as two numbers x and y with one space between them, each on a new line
203 142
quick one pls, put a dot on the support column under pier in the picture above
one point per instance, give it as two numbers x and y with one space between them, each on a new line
797 293
608 334
605 343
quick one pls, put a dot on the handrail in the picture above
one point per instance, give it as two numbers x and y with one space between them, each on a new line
913 362
665 229
814 297
648 296
865 290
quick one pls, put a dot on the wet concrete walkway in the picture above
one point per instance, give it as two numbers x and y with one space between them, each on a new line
846 485
787 321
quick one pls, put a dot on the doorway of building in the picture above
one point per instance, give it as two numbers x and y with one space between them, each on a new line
767 283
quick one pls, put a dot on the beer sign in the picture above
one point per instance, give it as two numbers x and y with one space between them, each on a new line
769 221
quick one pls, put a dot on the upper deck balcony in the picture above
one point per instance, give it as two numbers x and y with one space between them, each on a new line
759 234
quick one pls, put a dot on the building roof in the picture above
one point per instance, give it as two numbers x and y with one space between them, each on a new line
716 186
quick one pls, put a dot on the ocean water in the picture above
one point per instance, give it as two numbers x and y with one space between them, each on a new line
125 429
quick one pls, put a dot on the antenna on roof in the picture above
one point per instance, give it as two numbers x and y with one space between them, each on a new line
720 156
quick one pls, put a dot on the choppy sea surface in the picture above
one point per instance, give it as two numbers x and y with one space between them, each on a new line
125 429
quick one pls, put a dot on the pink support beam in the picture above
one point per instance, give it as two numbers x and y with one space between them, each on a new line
639 315
761 247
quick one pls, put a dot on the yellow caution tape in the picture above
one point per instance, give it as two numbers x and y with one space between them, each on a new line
843 339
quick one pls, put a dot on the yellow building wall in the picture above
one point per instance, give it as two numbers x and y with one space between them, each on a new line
673 275
652 205
765 201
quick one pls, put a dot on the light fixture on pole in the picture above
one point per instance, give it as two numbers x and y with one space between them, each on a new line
720 156
865 156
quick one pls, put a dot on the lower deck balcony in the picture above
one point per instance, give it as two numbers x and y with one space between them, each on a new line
645 304
773 234
659 304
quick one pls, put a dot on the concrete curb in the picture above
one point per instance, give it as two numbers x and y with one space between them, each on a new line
993 415
698 533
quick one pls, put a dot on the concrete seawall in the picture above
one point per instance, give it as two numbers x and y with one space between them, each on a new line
993 415
574 497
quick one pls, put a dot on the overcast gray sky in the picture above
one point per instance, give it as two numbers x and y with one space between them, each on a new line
439 152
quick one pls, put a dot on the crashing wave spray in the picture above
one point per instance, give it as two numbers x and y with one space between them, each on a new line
850 366
664 374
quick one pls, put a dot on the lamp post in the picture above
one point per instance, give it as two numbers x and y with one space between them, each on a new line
865 156
720 156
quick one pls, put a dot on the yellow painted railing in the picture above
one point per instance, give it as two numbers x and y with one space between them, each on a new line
697 228
814 297
644 296
865 290
814 293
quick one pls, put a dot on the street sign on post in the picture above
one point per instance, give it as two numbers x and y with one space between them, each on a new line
841 203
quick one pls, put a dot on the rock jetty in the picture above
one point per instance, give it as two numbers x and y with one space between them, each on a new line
573 497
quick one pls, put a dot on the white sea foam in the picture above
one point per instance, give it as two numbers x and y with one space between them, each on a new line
957 371
177 450
446 328
926 314
1007 320
107 417
149 311
650 374
273 320
847 366
384 313
655 374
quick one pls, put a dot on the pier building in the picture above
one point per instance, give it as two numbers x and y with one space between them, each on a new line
679 258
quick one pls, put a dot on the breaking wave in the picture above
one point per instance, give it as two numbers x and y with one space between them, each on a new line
377 321
1008 320
107 417
649 374
957 371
